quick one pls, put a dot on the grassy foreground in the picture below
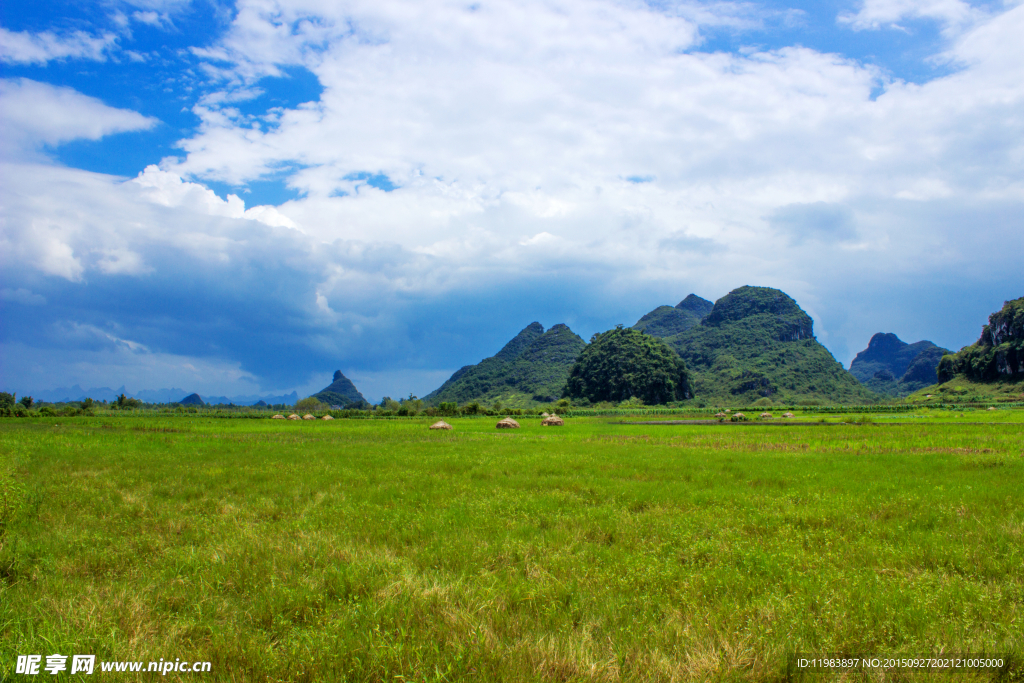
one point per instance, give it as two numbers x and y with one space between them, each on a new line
361 550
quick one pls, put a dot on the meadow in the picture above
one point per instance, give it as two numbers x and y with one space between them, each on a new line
373 550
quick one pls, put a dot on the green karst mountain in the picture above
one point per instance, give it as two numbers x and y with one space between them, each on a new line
666 321
341 392
992 365
531 368
893 367
756 343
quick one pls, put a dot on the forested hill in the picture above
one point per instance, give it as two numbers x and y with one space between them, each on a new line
893 367
665 321
997 356
341 392
758 343
531 368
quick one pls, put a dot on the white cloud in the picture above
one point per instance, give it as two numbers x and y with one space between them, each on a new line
22 296
875 14
37 114
39 48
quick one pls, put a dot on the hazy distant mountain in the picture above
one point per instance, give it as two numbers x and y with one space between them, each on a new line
666 321
531 368
756 342
77 393
891 366
341 392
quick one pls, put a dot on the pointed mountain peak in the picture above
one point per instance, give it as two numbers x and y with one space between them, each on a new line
519 342
696 305
340 392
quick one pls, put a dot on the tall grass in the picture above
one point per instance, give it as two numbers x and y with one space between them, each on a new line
379 550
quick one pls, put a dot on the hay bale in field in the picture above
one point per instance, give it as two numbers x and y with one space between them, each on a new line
545 414
277 417
326 417
552 421
720 415
739 417
508 423
441 424
765 416
293 416
991 407
787 415
727 410
307 416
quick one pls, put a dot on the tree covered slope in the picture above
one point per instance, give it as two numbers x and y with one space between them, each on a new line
531 368
998 355
758 343
666 321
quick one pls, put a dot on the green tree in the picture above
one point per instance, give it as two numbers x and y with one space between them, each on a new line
624 363
309 403
26 401
6 400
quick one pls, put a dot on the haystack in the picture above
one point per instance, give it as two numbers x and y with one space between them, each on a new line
765 416
787 415
326 417
307 416
720 415
737 417
991 407
508 423
441 424
727 410
545 414
293 416
277 417
552 421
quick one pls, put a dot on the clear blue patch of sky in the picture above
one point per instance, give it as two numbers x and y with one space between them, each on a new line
273 191
297 86
902 54
378 180
640 178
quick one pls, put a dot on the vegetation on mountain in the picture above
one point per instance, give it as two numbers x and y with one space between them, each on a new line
622 364
531 368
758 343
893 367
341 392
998 355
192 400
666 321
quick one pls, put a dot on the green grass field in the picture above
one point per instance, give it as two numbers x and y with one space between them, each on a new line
373 550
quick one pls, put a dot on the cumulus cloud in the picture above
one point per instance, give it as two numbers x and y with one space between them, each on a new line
36 114
875 14
39 48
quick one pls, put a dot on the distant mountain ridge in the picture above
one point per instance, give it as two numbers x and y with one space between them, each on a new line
531 368
893 367
77 393
756 342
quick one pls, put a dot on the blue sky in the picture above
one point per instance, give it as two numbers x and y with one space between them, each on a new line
240 198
